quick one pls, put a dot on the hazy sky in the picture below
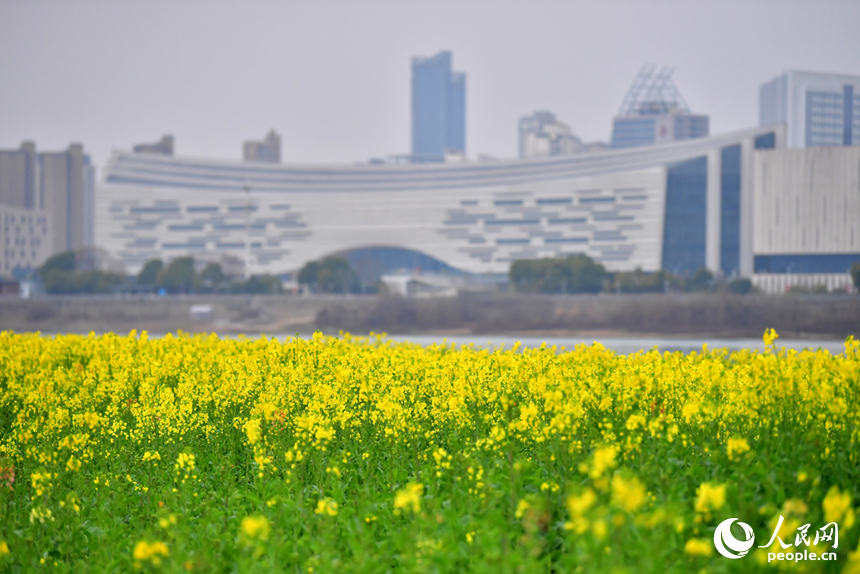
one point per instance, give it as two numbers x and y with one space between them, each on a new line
334 77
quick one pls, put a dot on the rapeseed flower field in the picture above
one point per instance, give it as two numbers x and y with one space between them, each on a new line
347 454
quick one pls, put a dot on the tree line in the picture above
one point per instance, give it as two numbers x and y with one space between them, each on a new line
581 274
63 274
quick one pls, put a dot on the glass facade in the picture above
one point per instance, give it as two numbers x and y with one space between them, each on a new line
455 129
689 127
632 132
765 141
730 210
684 224
832 118
438 108
806 263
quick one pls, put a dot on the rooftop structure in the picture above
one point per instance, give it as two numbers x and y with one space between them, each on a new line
654 111
164 146
266 150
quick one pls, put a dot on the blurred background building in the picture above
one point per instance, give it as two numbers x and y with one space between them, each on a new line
46 205
541 134
654 112
739 204
807 217
818 109
267 150
676 207
164 146
438 109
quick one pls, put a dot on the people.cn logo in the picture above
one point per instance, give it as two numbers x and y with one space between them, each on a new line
727 544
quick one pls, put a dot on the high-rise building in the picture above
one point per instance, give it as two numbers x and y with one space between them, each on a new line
18 176
818 109
25 240
66 179
266 150
541 134
654 112
438 109
164 146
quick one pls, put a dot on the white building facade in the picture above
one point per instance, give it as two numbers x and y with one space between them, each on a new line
679 207
807 218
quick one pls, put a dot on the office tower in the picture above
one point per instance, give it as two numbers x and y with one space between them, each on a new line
438 109
164 146
818 109
25 240
65 179
654 112
267 150
18 176
541 134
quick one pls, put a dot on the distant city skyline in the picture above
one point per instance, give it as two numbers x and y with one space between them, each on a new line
333 77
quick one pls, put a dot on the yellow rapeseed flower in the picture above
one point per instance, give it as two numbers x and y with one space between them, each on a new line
577 505
736 447
326 506
255 528
699 547
253 431
408 498
604 459
710 497
628 494
151 552
837 508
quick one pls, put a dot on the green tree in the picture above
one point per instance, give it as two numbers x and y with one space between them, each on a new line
212 277
638 281
309 273
149 274
64 261
58 273
60 276
331 275
571 274
702 280
741 286
262 285
178 276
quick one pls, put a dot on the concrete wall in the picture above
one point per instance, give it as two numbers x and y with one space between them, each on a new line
807 201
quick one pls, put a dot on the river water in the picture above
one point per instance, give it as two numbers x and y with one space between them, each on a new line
621 345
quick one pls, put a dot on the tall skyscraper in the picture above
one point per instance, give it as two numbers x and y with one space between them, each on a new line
267 150
818 109
654 112
438 109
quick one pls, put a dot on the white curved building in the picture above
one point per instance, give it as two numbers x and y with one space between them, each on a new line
678 206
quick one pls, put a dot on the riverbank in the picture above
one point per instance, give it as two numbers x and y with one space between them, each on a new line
586 316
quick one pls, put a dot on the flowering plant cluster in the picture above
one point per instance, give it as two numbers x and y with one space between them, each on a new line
357 454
